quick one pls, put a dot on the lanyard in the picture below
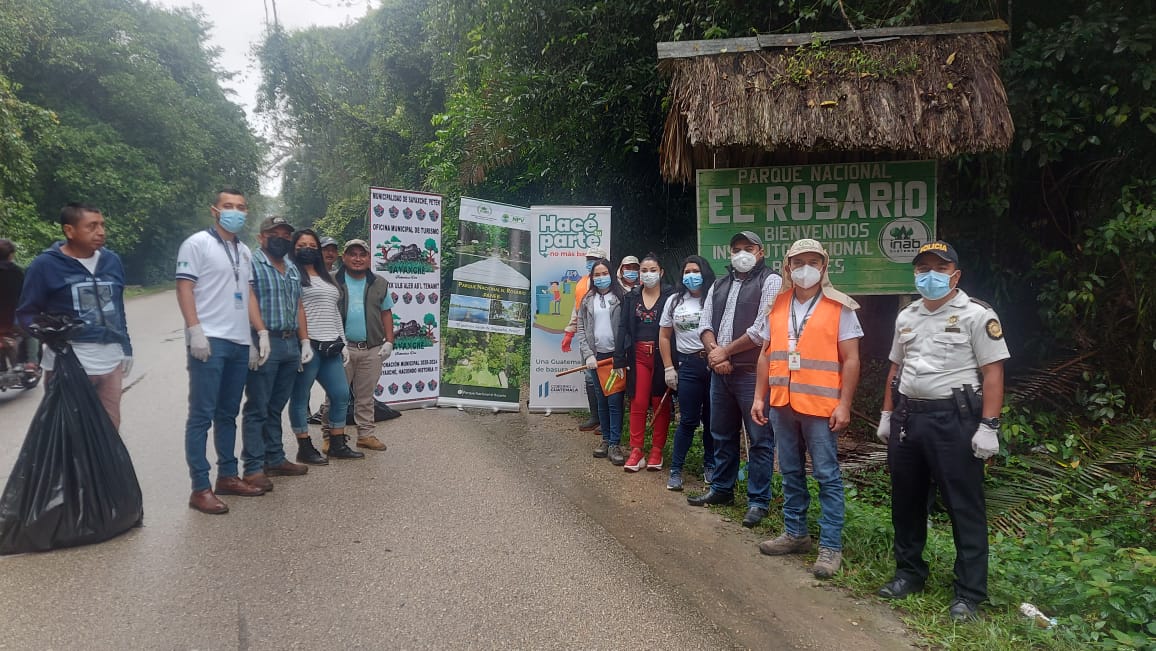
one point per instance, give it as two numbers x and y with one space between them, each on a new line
233 260
796 329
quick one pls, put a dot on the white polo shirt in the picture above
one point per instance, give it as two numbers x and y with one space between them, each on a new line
221 276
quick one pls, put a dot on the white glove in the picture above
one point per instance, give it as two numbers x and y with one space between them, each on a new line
126 366
592 363
254 359
883 432
985 443
345 356
671 374
198 343
262 346
386 350
306 352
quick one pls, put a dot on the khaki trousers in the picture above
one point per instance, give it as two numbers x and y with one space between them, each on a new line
363 372
108 389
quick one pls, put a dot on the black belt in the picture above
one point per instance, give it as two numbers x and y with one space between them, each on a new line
360 345
920 406
282 334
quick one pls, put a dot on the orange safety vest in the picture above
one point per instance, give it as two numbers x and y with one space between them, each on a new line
814 388
580 289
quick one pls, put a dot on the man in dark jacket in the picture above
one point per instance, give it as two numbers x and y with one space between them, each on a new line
11 283
80 278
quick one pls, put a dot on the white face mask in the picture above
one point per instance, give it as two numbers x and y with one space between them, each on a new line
806 277
650 278
743 261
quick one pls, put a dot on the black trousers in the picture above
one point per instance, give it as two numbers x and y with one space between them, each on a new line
937 447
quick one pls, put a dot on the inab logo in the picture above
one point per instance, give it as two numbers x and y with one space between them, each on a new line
544 390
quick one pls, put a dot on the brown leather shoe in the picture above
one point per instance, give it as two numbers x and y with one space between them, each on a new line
205 502
260 480
370 442
286 469
235 486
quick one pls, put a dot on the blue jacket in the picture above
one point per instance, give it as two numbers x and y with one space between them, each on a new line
58 284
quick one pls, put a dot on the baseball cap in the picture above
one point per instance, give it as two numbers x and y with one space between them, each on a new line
353 243
328 241
273 221
630 259
596 252
940 248
748 236
806 245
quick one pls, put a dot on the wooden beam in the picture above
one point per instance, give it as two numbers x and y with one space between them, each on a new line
683 49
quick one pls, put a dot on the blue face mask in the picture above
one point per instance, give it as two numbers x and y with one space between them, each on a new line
692 280
602 282
933 285
233 220
630 275
589 265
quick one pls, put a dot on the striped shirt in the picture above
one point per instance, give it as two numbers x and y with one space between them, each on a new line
321 314
277 293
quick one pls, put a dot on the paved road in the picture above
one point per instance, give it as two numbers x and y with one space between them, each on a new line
454 538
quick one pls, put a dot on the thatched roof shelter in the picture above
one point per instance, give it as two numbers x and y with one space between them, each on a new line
919 92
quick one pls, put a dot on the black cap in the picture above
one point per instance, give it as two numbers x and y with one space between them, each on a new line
748 236
940 248
269 223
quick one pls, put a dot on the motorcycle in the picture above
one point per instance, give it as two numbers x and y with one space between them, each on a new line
14 374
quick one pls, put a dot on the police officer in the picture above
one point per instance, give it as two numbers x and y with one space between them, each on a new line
940 423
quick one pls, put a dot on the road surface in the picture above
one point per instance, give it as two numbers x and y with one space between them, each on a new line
472 531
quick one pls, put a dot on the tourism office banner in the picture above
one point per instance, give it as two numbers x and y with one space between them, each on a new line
405 234
871 217
561 236
489 300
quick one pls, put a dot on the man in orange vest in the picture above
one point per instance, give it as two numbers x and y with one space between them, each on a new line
580 289
810 368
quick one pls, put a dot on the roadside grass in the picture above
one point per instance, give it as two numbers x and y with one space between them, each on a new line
133 291
1089 565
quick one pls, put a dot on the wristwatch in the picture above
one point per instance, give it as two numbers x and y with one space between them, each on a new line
990 422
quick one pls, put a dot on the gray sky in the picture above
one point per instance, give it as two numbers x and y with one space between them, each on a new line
238 26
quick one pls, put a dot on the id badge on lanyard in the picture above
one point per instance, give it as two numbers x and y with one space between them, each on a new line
238 301
794 361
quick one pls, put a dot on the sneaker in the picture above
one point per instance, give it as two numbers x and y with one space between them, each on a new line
707 474
963 610
675 481
601 451
315 419
370 442
590 425
828 563
636 461
654 461
786 544
616 457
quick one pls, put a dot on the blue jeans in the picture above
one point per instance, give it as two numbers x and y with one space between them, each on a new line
731 397
796 435
215 388
266 393
331 373
693 409
609 407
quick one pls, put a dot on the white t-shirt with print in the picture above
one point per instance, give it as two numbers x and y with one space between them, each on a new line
684 319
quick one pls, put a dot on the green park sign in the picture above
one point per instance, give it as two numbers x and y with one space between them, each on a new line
871 217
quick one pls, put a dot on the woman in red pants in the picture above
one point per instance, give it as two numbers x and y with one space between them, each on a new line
637 348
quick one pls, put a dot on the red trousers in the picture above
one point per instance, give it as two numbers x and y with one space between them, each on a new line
645 357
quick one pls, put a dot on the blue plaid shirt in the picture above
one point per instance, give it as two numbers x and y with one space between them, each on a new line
278 294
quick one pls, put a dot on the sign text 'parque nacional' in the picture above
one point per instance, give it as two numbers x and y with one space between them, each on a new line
872 217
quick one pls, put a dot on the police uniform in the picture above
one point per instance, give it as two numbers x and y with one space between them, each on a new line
937 412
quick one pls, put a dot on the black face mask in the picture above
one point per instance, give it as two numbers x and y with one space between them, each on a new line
278 246
307 256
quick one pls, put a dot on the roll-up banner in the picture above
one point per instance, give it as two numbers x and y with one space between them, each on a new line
405 232
561 236
489 300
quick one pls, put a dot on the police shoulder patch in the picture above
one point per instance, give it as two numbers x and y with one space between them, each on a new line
979 303
994 329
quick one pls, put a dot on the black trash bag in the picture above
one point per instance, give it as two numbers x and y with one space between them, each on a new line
73 482
381 411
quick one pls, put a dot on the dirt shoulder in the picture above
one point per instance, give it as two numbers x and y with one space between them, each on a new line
761 602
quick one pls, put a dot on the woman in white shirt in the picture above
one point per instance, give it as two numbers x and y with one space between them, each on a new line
686 370
320 296
598 317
